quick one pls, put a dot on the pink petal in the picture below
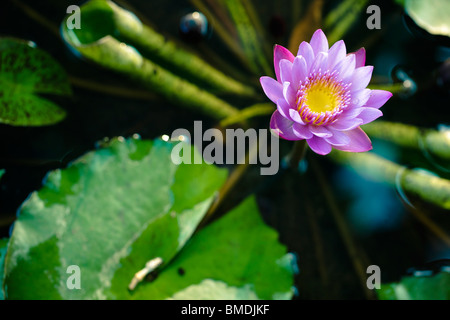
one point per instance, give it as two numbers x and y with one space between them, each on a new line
299 70
280 53
307 53
285 71
320 63
346 124
319 145
272 88
346 66
302 131
289 93
320 131
296 116
361 78
351 113
369 114
283 108
360 98
336 53
359 141
282 126
319 42
339 138
360 56
378 98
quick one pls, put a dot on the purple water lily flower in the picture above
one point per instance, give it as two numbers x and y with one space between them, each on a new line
321 96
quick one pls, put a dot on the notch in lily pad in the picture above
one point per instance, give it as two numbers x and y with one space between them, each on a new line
26 72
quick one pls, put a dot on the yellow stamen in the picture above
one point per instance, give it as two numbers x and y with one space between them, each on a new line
321 98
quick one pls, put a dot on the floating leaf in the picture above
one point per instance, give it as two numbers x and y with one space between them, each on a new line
432 15
238 252
127 199
215 290
436 287
3 247
26 72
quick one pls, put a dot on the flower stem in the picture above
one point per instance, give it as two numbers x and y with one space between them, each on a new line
437 142
250 41
259 109
234 178
340 20
357 254
430 188
297 153
222 27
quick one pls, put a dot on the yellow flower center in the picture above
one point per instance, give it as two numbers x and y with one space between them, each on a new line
321 99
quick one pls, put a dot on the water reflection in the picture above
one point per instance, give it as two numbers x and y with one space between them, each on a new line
373 206
409 85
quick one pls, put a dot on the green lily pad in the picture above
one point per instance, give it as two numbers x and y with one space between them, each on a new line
25 73
3 247
432 15
436 287
215 290
125 200
237 255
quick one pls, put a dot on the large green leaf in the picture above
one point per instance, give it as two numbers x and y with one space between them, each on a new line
436 287
109 213
26 72
215 290
237 256
431 15
3 247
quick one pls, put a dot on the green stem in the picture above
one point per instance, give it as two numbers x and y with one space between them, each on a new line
181 92
249 38
428 187
433 141
222 32
357 255
235 177
392 87
114 55
340 19
118 91
297 153
259 29
157 48
260 109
